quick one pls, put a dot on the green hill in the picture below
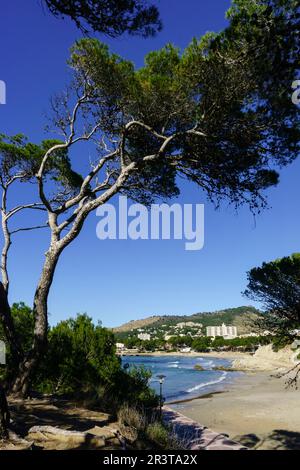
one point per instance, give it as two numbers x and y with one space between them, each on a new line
241 317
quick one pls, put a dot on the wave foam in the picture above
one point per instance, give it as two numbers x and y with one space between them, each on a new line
212 382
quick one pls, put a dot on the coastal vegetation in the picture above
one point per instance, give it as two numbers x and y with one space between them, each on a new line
277 285
139 425
249 343
81 363
203 343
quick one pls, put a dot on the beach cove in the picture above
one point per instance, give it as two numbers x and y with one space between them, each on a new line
256 410
253 406
185 377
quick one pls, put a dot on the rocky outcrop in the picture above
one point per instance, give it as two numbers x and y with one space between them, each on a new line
15 442
265 359
50 436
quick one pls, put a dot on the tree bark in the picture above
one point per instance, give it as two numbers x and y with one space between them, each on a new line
4 415
29 364
9 327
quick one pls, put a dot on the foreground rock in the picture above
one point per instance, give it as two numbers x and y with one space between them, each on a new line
56 438
15 442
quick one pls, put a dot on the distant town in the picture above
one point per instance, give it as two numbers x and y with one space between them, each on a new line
164 334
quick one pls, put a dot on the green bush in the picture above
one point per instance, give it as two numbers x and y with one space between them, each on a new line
79 355
165 437
158 433
181 341
280 342
138 424
81 362
202 344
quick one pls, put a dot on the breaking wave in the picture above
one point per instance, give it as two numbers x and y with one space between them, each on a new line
205 384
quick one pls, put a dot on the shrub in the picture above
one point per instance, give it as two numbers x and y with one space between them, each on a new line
136 423
157 433
132 422
80 356
280 342
81 362
166 437
132 386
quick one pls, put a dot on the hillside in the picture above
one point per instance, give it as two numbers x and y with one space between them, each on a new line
241 317
135 324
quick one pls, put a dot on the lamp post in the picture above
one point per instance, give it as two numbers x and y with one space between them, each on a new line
161 381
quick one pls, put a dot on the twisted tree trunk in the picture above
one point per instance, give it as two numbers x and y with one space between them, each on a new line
29 364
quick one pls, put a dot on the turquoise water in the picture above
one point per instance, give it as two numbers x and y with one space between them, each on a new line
182 380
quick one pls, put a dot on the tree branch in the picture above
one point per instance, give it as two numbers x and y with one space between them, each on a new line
27 229
35 206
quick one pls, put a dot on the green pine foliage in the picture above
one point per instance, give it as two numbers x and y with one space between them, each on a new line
81 362
276 284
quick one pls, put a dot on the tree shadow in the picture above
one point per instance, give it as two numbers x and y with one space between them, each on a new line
279 439
288 440
65 415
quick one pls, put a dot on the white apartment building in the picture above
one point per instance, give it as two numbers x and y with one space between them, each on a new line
144 336
228 332
189 324
120 347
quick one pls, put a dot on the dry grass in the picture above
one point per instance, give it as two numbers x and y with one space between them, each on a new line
134 424
166 438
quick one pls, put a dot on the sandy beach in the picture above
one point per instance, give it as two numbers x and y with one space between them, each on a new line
256 410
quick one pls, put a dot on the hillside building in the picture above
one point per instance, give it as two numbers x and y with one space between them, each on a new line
144 336
120 347
228 332
189 324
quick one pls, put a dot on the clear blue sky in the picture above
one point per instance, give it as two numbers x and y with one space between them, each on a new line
116 281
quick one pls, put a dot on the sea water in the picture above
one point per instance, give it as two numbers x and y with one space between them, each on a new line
183 381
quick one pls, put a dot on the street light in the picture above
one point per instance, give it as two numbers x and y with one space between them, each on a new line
161 381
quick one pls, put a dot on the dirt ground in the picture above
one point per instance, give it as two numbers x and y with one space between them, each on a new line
49 424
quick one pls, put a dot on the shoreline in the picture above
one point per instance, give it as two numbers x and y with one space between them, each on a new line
216 354
256 409
187 400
